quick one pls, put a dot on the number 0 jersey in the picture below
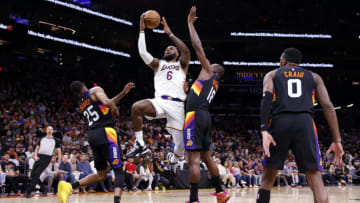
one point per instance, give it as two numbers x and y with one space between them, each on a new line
294 91
97 114
201 93
169 80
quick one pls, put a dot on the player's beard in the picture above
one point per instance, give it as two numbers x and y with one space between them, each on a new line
169 57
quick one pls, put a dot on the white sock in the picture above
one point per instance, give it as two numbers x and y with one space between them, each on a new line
139 137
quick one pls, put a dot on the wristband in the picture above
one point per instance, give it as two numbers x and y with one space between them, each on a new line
172 34
337 141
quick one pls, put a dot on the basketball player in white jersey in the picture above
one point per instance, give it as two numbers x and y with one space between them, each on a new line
169 78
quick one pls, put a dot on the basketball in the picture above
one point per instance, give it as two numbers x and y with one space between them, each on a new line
152 19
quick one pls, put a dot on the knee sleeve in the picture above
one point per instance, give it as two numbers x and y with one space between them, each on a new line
119 178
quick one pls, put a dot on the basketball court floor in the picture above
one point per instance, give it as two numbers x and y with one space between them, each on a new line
279 195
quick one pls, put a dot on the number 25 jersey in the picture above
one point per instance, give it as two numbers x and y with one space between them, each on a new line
169 80
97 114
294 91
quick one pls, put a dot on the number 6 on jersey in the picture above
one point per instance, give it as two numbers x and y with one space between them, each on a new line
169 75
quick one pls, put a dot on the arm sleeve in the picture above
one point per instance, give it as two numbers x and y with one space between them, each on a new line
146 57
265 110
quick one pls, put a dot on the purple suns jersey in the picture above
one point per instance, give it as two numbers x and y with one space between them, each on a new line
201 93
97 114
294 91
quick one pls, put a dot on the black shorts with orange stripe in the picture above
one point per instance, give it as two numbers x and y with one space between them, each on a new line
296 132
106 149
197 131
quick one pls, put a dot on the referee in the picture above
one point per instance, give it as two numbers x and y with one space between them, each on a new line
43 152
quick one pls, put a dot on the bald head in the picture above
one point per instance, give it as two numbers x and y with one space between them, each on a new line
218 69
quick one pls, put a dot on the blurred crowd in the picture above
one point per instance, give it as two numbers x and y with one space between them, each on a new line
236 146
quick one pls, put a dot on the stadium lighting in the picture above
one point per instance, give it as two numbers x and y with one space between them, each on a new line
158 31
274 64
350 105
280 35
76 43
4 27
91 12
195 63
337 108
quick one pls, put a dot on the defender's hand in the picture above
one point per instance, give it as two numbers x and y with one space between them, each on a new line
128 87
166 26
142 23
338 150
192 15
267 140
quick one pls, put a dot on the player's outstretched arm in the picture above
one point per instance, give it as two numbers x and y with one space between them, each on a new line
104 99
330 115
195 41
148 59
124 92
329 112
265 110
184 50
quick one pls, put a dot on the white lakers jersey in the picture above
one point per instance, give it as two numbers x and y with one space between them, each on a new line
169 80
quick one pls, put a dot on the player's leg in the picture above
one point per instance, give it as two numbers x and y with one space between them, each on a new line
175 124
194 174
179 149
118 184
203 122
101 154
213 169
314 179
281 131
138 111
38 168
308 157
268 179
221 195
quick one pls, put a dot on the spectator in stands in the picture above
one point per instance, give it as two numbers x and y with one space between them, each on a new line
159 171
108 179
30 152
74 171
146 177
130 174
282 176
65 170
13 176
235 170
228 178
258 173
244 175
221 168
84 167
251 173
20 150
